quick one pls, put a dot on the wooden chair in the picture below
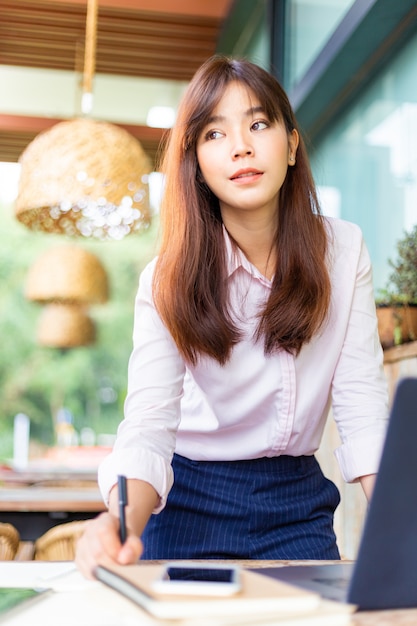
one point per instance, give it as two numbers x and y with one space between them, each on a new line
58 543
9 541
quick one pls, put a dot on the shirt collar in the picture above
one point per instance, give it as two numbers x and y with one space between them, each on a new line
236 259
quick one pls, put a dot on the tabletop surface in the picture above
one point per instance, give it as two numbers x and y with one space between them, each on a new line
50 489
51 499
83 602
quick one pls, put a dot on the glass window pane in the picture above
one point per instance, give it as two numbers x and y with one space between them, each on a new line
309 25
366 167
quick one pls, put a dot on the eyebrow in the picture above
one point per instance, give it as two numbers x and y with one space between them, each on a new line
248 113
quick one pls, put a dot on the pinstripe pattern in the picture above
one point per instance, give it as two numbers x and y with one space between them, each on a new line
278 508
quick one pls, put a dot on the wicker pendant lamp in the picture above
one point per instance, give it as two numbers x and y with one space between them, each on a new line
67 274
85 177
65 326
66 279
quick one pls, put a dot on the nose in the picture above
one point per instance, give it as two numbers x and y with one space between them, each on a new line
242 152
242 146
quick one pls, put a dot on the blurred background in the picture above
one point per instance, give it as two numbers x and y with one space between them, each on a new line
349 67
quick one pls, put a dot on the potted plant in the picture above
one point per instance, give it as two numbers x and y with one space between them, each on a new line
397 304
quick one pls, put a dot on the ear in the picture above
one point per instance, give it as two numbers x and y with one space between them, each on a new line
293 141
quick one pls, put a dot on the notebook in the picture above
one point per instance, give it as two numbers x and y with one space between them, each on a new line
259 595
384 575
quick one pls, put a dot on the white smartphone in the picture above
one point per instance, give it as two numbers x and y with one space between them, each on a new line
188 578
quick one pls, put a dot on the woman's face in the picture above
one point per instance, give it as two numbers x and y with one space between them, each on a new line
243 156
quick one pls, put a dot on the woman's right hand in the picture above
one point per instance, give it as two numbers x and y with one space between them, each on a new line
100 545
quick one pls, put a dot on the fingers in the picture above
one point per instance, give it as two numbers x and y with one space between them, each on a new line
130 550
100 545
97 544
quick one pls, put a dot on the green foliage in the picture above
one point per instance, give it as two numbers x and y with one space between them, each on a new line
90 381
404 277
402 283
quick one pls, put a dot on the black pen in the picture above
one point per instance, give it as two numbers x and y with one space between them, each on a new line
122 491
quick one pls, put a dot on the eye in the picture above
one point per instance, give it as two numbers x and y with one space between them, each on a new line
213 134
260 125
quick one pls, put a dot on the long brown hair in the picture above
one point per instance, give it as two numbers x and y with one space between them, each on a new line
190 284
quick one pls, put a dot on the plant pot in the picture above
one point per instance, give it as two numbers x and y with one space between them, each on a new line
397 324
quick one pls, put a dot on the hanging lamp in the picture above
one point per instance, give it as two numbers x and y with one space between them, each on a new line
65 326
66 280
67 274
82 176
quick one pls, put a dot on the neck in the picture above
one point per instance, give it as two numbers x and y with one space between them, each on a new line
257 243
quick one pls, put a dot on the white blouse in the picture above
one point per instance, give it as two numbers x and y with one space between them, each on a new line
256 405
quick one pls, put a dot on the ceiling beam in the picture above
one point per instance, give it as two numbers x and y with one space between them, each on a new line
17 131
206 8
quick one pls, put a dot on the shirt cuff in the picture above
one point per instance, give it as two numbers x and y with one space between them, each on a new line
358 458
136 463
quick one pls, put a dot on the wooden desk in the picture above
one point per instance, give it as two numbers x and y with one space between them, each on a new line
85 602
35 501
46 499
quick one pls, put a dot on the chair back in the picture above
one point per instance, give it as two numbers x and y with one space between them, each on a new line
59 542
9 541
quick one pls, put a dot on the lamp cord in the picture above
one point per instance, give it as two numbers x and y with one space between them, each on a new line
89 56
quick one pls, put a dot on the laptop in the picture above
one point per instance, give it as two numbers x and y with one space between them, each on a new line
384 575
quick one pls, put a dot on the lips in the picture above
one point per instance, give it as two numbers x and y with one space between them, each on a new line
246 173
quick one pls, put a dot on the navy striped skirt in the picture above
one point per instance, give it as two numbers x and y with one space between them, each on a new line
268 508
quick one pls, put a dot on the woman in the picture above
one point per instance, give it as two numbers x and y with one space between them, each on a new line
257 313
